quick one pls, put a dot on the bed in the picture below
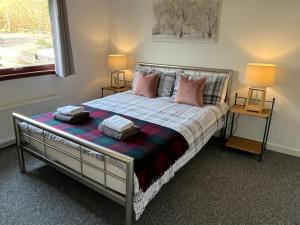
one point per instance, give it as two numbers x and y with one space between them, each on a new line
111 173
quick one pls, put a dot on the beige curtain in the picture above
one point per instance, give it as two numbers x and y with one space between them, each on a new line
64 64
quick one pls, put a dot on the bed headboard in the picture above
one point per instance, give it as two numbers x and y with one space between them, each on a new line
194 70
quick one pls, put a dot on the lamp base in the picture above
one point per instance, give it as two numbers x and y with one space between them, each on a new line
116 81
255 104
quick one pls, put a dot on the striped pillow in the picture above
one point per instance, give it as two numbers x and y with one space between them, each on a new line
213 89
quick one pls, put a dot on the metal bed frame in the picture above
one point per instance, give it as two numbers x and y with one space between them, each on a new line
124 200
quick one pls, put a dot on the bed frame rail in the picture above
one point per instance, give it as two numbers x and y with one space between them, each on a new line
126 201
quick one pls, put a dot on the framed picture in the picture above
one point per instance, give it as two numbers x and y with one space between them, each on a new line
186 20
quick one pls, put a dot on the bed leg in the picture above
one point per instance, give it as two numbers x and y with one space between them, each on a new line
129 193
21 160
128 216
20 152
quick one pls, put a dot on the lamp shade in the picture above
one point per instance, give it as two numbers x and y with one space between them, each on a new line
117 62
260 75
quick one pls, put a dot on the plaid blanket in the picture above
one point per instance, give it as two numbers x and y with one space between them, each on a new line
154 149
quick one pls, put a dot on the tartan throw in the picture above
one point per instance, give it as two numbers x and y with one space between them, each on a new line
154 148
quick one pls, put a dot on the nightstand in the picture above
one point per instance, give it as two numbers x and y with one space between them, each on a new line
244 144
114 89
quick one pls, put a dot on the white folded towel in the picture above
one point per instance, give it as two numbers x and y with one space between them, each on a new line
117 123
70 110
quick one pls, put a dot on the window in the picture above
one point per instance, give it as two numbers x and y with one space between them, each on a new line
25 39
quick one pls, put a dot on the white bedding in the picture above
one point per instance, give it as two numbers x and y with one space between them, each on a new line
196 124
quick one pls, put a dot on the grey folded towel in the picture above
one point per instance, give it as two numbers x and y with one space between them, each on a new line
72 119
118 135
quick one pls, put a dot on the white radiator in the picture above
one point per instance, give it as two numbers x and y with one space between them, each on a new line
29 108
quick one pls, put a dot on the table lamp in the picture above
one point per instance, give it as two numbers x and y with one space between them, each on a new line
259 77
116 63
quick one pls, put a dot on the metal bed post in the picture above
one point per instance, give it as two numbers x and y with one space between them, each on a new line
129 192
227 100
20 152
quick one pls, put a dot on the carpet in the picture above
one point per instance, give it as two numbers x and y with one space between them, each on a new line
216 187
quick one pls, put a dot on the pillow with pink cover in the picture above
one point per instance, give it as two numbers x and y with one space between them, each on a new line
146 84
190 91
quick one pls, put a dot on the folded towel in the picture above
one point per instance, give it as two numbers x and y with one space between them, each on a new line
117 123
70 110
118 135
72 119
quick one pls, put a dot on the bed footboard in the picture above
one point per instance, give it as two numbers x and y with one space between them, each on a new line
124 200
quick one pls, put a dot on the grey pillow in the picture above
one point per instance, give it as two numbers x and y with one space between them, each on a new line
166 84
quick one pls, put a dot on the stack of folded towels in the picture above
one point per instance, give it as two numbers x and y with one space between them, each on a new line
71 114
118 127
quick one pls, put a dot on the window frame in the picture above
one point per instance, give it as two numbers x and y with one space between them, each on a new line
26 71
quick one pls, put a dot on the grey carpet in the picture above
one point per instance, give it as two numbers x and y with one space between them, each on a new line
216 187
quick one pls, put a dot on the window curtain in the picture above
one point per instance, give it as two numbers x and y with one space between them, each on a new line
64 64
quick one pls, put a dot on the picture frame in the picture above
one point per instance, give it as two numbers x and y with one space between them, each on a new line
186 20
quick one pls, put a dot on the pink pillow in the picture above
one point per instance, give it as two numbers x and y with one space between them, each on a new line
146 84
190 91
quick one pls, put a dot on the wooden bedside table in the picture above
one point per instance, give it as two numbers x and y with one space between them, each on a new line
244 144
114 90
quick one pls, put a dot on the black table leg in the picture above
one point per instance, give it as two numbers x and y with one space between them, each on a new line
225 128
267 130
232 123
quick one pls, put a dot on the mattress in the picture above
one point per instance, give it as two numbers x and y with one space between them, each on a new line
196 124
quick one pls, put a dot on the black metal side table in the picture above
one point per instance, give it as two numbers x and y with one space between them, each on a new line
244 144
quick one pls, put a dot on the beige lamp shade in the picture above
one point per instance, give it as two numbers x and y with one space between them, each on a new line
260 75
117 62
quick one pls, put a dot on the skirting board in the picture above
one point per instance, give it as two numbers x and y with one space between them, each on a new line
7 144
284 149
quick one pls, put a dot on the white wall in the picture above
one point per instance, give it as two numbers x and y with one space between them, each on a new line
89 35
250 31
